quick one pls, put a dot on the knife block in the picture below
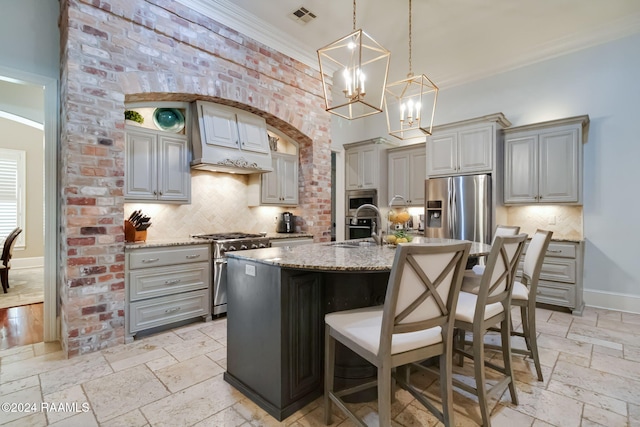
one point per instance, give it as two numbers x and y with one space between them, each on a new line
132 235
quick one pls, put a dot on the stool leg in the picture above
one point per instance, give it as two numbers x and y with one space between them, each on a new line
329 364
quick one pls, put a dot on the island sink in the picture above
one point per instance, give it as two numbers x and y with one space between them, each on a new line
352 244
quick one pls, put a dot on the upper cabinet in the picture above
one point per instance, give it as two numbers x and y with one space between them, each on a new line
362 167
233 128
227 139
407 172
280 187
366 166
466 147
543 162
156 166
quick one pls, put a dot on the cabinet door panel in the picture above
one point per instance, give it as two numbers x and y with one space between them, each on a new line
399 175
475 150
559 166
417 175
442 153
269 186
141 165
352 162
289 179
253 133
521 172
173 173
219 126
369 168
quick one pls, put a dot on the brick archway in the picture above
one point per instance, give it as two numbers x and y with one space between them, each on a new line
124 51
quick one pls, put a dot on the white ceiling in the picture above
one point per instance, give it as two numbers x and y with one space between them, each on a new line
454 41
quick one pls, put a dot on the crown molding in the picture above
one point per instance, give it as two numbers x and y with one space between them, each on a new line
226 13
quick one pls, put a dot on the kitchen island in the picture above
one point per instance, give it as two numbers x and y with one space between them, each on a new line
277 299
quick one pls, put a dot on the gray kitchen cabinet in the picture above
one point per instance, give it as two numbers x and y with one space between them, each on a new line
280 187
362 167
467 147
233 128
157 166
560 281
407 172
165 285
543 162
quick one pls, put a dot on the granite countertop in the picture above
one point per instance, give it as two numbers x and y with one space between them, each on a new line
166 242
329 256
274 236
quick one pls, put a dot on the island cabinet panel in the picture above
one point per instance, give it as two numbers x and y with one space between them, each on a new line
274 335
304 333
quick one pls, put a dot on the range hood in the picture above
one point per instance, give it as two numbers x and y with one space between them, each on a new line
226 139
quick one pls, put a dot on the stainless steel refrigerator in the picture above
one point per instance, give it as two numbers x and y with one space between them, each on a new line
459 207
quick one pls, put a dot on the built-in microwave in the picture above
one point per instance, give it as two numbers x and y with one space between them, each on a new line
357 198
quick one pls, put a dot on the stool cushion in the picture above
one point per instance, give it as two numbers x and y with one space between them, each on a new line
467 307
363 327
520 291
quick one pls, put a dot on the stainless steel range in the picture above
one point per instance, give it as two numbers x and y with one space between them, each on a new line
222 243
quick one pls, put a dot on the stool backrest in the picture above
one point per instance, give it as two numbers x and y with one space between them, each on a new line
423 289
535 256
499 274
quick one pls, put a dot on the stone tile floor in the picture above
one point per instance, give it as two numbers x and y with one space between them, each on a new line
591 367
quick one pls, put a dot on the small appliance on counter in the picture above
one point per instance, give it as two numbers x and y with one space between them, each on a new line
286 223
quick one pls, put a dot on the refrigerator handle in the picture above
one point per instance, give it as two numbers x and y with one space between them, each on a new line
451 218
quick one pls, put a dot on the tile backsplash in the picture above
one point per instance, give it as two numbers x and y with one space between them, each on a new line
565 221
218 204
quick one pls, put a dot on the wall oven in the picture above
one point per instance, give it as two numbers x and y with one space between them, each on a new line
361 229
357 198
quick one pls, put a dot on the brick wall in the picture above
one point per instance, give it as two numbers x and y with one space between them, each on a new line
135 50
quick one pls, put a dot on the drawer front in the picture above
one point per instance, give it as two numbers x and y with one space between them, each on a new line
165 310
556 294
562 250
558 270
155 282
158 257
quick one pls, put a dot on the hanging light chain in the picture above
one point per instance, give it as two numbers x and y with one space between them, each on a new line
410 33
354 15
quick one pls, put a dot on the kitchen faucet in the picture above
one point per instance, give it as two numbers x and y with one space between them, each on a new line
377 236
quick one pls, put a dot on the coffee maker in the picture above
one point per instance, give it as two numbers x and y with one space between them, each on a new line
286 223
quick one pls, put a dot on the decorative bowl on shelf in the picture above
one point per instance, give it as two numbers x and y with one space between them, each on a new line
168 119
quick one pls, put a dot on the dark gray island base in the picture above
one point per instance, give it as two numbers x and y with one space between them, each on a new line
277 299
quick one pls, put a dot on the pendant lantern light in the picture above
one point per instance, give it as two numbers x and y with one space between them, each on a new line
410 104
361 66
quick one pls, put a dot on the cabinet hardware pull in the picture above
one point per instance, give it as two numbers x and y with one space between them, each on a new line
193 256
155 193
150 260
172 282
160 193
171 310
554 251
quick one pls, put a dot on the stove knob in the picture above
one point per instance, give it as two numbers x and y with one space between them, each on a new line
254 246
243 247
232 248
262 245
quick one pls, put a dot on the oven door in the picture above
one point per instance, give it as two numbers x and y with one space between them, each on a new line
361 230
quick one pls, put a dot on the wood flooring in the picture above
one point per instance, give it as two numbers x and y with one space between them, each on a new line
21 325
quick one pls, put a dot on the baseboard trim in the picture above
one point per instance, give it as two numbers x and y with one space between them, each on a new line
33 262
612 301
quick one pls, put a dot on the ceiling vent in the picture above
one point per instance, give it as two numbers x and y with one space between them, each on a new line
302 15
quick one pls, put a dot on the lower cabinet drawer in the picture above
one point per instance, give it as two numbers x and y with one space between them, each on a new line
556 294
164 310
154 282
558 270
